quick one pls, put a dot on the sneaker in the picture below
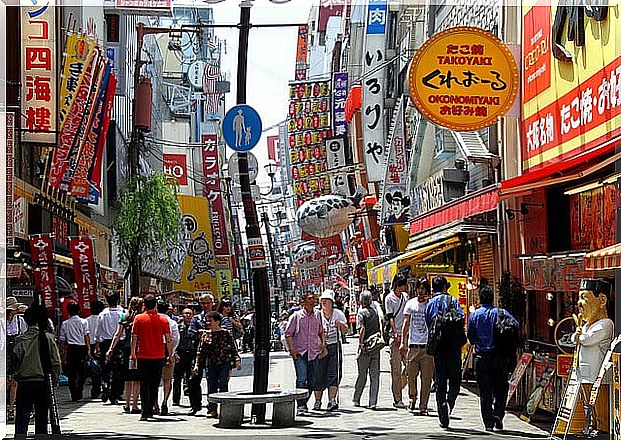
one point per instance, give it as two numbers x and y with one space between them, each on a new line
302 410
104 396
356 403
193 411
443 414
399 404
424 412
333 406
498 423
176 404
317 405
372 407
489 429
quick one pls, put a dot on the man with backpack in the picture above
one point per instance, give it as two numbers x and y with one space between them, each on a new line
493 333
445 320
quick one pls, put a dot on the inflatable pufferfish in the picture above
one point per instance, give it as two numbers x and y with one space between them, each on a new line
329 215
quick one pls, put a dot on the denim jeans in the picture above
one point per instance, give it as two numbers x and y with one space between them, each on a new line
448 372
306 375
217 381
492 372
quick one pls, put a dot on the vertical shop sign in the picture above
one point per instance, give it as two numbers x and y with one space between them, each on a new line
301 53
213 193
335 150
10 145
283 151
537 51
373 90
309 126
42 253
38 54
84 271
176 168
339 96
395 198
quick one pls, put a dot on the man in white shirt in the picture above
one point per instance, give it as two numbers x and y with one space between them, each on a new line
169 368
414 343
75 346
111 380
395 304
93 322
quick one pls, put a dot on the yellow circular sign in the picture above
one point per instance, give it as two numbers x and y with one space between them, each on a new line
463 78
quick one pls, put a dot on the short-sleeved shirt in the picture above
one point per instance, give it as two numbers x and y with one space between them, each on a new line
305 329
150 329
330 327
368 319
395 306
418 327
73 331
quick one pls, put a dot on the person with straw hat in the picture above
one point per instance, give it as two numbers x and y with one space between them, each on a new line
15 326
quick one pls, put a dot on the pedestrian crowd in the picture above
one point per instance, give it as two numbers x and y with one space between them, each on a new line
426 334
129 352
126 352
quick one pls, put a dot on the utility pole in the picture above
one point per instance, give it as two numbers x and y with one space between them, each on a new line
270 246
253 232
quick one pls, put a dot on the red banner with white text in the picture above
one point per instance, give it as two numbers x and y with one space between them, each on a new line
213 193
42 253
84 272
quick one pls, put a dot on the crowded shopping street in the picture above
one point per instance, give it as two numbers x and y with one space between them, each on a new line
310 218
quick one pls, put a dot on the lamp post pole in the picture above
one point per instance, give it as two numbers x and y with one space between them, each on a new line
270 246
259 271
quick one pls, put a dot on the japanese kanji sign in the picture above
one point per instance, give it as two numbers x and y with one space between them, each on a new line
335 150
309 125
42 254
211 174
339 96
301 53
84 272
578 107
373 93
464 79
10 144
38 24
395 195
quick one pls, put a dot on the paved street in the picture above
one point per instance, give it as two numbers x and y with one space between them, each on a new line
92 419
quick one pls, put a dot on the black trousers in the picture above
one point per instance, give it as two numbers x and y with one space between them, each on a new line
112 381
31 394
447 376
95 380
76 375
182 373
196 392
492 371
150 371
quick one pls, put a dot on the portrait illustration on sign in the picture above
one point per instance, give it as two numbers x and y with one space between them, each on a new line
201 255
398 208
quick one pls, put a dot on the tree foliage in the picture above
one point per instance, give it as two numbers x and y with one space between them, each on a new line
148 217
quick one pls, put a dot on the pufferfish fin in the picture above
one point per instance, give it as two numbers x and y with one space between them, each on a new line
322 212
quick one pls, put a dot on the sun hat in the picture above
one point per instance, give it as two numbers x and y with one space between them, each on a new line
327 294
12 303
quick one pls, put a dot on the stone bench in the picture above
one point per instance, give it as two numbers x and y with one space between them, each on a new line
232 406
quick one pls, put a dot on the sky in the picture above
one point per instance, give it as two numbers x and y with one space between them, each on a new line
271 60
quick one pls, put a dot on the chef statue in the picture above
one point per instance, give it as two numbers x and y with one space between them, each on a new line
594 333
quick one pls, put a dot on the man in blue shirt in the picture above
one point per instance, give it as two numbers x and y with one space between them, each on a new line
491 366
447 358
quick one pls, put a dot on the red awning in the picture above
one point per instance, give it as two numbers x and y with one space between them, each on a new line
604 259
521 183
473 204
353 102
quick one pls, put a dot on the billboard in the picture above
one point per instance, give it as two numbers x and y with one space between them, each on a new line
572 88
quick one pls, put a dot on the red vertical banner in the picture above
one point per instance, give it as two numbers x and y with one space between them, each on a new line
301 53
213 193
42 253
84 272
272 149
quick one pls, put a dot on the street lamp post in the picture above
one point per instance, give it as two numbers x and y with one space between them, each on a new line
270 245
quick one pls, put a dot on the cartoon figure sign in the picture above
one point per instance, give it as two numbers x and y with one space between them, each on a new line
242 128
199 270
398 208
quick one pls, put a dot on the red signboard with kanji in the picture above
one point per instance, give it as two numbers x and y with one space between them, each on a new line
42 253
84 271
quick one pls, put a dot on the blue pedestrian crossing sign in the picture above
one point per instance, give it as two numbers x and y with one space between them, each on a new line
242 128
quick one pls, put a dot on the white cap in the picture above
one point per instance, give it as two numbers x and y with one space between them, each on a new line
327 294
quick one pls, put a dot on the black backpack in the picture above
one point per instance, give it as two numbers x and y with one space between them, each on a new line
506 334
447 328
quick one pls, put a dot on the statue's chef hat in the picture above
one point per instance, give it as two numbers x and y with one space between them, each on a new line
595 285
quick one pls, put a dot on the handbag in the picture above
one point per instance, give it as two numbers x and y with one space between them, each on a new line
374 344
92 366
